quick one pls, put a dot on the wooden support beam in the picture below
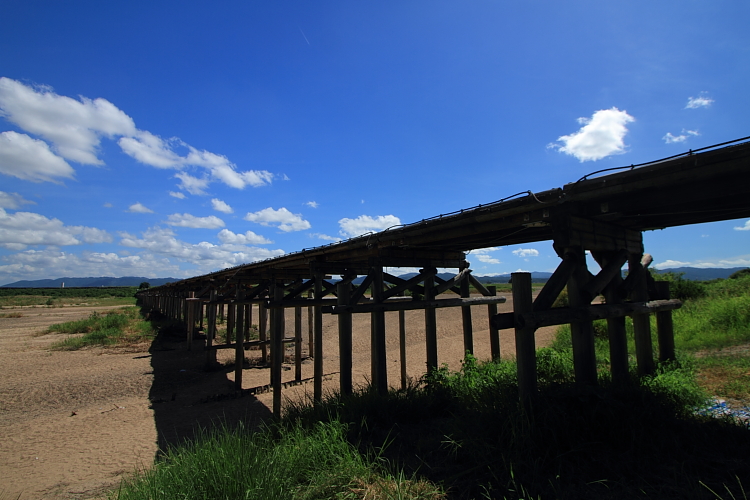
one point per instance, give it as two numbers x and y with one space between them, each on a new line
231 308
402 346
618 342
430 320
262 330
556 283
402 285
345 341
310 328
609 271
239 352
494 332
451 283
211 332
318 344
359 292
664 325
277 349
485 291
297 344
641 323
582 332
461 278
525 342
299 289
190 322
379 361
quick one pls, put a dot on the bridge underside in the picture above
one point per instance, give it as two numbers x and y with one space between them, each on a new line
604 215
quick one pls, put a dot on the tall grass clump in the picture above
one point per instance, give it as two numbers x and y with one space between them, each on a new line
296 463
113 327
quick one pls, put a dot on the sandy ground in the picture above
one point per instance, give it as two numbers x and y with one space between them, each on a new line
75 422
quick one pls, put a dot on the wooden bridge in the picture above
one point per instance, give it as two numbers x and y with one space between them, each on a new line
604 213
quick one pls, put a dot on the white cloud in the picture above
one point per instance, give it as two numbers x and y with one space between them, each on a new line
526 252
221 206
365 224
207 256
21 229
477 251
138 208
13 200
668 264
324 237
177 194
739 261
281 218
107 205
601 136
73 127
746 227
670 139
30 159
249 238
698 102
192 185
188 220
487 259
312 204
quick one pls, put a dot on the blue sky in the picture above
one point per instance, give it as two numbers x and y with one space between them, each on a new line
177 138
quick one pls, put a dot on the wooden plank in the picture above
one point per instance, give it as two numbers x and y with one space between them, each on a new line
525 342
402 285
345 341
556 283
359 292
451 283
485 291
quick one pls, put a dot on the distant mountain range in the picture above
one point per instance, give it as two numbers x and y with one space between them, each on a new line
689 273
90 282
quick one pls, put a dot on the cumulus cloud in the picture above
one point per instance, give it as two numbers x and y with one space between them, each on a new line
192 185
249 238
31 159
188 220
13 200
138 208
601 136
21 229
207 256
75 128
221 206
526 252
366 224
177 194
281 218
487 259
671 139
746 227
698 102
312 204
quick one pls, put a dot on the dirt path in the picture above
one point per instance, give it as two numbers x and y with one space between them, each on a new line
75 422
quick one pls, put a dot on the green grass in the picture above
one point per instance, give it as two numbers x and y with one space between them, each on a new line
122 326
48 301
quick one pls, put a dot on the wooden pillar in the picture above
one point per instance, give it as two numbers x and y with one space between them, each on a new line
664 326
618 341
277 347
345 339
190 306
402 345
262 333
310 328
239 346
644 353
494 332
378 359
221 313
525 341
466 317
211 331
430 321
582 332
318 342
248 321
298 343
200 315
231 311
